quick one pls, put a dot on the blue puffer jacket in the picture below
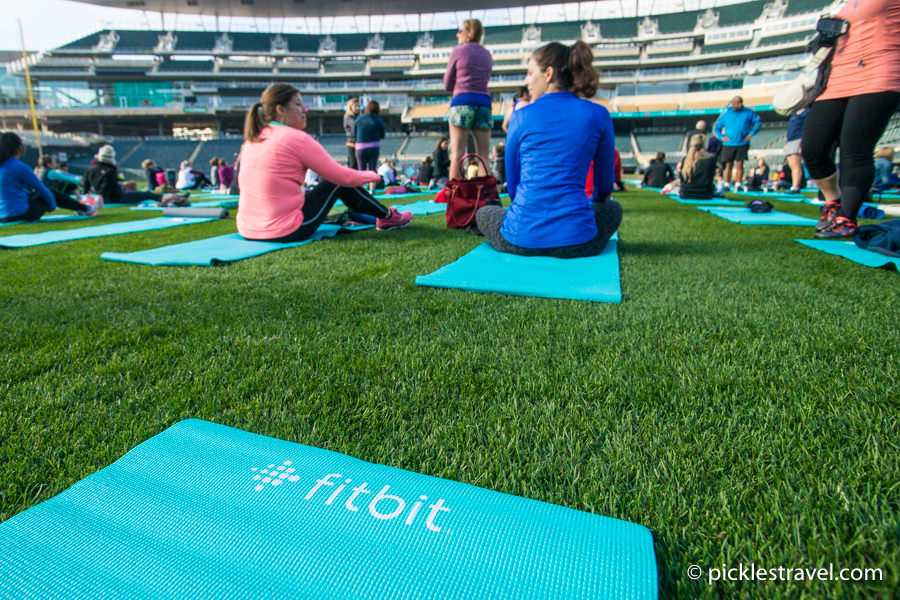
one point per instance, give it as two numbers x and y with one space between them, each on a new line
736 125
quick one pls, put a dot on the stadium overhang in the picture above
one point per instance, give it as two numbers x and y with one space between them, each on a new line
308 8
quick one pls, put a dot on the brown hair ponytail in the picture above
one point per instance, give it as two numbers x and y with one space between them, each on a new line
585 80
573 68
263 112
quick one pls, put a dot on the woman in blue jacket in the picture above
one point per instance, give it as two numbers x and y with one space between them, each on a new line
368 130
22 195
549 148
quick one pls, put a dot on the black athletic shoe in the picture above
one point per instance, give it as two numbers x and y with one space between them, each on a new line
841 228
829 212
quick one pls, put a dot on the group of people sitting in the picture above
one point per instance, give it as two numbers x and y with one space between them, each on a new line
27 195
552 144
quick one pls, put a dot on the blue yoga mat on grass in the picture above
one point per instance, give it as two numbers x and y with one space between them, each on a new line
217 250
714 201
745 217
783 196
851 251
206 511
50 237
149 206
594 278
422 207
50 219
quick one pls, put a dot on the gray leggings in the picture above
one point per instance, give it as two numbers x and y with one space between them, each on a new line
608 215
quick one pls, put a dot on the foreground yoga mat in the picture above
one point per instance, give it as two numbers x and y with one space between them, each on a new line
50 237
50 219
714 201
422 207
745 217
595 278
206 511
851 251
217 250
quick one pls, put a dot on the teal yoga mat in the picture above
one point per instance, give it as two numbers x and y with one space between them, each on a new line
782 196
206 511
50 237
422 207
380 195
595 278
713 202
745 217
851 251
50 219
217 250
223 203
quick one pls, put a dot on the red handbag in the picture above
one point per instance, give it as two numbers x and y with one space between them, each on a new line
466 196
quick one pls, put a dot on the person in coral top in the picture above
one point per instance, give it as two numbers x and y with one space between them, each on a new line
274 160
862 93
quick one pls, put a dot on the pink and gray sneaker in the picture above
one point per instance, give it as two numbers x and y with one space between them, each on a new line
94 202
395 220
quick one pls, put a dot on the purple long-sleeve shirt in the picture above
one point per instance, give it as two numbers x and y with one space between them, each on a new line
468 70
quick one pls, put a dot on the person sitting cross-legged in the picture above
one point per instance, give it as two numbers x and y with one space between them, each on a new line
549 148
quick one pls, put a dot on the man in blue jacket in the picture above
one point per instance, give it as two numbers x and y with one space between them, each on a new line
735 127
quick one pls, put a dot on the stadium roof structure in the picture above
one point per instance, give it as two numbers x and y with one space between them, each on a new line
309 8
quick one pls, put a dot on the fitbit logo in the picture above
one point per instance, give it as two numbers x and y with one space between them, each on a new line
382 506
273 475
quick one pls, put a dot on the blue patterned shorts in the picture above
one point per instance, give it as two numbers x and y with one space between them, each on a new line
470 117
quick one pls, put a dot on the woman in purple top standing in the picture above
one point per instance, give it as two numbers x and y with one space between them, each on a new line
468 72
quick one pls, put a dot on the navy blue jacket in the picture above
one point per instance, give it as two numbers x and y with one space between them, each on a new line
368 128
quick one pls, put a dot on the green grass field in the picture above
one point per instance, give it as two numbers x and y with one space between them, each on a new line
742 402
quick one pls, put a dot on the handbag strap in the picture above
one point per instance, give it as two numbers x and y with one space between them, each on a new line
471 155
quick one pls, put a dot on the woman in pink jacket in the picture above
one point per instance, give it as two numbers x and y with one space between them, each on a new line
274 159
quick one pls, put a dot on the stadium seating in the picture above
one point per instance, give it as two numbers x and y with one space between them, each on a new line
219 148
420 145
799 7
739 14
799 37
167 153
650 143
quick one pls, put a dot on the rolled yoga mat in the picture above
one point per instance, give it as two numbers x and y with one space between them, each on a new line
593 278
206 511
745 217
194 211
49 237
851 251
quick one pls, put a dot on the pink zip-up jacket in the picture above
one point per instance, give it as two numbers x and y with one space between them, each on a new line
271 180
867 58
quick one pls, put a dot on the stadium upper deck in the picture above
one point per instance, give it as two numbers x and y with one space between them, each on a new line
686 63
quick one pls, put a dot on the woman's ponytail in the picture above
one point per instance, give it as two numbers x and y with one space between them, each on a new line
254 123
585 80
573 68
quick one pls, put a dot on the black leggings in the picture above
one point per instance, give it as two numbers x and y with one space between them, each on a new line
855 124
319 201
608 215
37 207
